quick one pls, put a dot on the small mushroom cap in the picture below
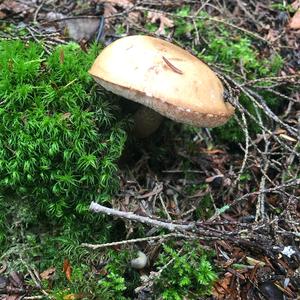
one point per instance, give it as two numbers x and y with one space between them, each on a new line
164 77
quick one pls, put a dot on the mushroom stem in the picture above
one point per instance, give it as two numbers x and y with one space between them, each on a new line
146 121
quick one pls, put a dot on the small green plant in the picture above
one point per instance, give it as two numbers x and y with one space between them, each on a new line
188 274
284 6
120 29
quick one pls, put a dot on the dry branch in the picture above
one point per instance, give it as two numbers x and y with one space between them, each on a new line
95 207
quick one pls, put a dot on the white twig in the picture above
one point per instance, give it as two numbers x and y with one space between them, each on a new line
95 207
146 239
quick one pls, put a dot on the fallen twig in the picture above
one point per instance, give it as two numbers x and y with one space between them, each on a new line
146 239
95 207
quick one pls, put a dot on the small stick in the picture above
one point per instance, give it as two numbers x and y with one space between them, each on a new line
146 239
95 207
37 11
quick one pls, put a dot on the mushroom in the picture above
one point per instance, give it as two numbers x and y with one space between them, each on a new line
140 262
166 79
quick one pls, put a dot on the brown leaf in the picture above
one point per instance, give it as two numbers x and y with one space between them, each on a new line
120 3
109 10
47 274
295 21
221 288
272 35
12 297
296 4
67 269
2 15
213 151
134 17
164 22
13 7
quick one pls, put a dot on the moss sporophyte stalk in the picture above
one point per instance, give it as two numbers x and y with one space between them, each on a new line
59 140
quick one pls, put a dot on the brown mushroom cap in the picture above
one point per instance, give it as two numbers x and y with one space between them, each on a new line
163 77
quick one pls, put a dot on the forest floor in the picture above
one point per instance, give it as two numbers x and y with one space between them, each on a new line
234 190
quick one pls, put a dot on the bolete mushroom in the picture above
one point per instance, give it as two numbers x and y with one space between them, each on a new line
166 79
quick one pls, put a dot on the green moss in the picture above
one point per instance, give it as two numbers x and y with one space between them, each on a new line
59 139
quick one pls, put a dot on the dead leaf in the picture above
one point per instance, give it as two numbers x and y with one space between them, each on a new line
287 137
134 17
295 21
67 269
109 10
296 4
2 15
221 288
82 28
272 35
213 151
47 274
12 297
14 7
120 3
279 131
164 22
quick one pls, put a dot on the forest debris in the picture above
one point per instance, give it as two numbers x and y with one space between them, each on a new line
252 261
3 267
295 21
221 288
120 3
288 138
109 10
79 29
272 35
47 274
16 279
270 290
164 22
8 7
288 251
2 15
296 4
67 269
